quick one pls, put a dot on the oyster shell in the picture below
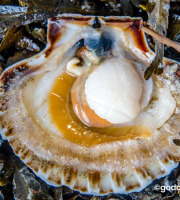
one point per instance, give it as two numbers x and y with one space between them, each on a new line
89 161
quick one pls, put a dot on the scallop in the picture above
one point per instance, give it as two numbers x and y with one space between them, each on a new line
81 114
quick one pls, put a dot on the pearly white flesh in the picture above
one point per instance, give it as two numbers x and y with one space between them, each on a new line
116 91
113 90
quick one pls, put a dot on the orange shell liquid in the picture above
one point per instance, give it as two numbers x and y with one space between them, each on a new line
74 130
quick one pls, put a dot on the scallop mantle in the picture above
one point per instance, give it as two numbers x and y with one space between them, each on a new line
120 166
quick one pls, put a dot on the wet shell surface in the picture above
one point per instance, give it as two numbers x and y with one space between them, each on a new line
59 124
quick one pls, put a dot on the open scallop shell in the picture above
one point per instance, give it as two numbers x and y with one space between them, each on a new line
119 166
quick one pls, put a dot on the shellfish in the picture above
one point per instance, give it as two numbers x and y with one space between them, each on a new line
81 114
